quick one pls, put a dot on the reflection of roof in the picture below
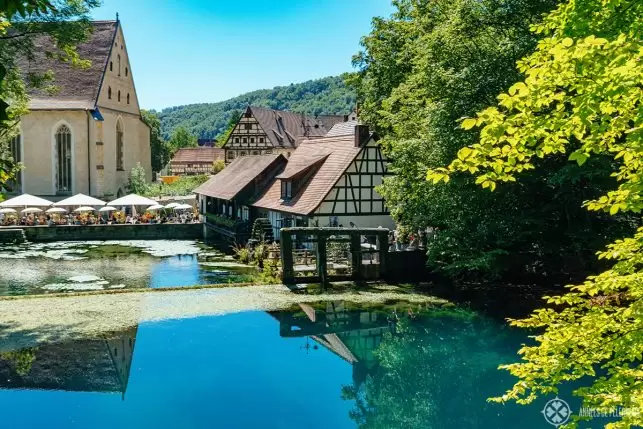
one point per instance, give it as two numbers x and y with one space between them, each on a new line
77 88
338 154
197 155
236 176
90 365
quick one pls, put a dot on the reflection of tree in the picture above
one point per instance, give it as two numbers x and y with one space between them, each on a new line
21 359
435 372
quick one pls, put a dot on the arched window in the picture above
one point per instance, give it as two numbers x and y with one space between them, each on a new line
119 64
126 71
16 153
127 98
109 92
119 95
111 66
62 156
119 145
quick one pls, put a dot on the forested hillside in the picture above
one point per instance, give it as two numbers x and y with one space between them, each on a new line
328 95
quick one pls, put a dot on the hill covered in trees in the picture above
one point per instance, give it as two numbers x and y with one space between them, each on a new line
327 95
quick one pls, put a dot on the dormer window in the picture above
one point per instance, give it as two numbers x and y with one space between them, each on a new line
286 189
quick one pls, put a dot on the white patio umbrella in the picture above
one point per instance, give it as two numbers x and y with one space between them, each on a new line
7 210
107 209
79 200
26 200
172 205
132 200
84 209
31 210
156 207
56 210
183 207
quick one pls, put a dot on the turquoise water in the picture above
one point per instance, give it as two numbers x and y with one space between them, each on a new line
86 266
328 365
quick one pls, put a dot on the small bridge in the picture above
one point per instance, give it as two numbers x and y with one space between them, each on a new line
311 255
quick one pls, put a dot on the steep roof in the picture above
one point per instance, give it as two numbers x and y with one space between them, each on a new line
77 89
236 176
286 129
197 155
342 129
339 153
328 121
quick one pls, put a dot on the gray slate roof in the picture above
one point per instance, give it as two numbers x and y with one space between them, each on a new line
286 129
78 89
342 129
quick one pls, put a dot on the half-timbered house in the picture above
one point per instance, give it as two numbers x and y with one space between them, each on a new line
329 181
190 161
262 131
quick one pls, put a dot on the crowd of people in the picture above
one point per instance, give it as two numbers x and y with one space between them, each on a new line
117 217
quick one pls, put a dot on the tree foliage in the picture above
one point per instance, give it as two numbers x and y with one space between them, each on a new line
160 149
232 122
328 95
432 63
181 138
137 180
581 98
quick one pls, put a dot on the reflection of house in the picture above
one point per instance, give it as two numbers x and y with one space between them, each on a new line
195 160
88 134
351 335
327 181
88 365
265 131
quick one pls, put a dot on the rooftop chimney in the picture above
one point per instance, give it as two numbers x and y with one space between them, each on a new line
362 135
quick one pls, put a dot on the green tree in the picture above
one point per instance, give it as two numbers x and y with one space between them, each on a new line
137 182
232 122
182 138
159 147
218 166
581 98
433 62
21 22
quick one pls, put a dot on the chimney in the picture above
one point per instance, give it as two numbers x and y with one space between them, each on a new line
362 135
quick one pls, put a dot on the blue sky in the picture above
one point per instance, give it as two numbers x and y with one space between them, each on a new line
193 51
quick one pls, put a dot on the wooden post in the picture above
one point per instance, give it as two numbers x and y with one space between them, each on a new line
382 247
287 263
356 256
321 260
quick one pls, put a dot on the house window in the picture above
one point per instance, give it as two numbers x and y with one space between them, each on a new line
63 160
242 153
128 98
248 115
119 64
16 153
252 139
245 140
260 139
109 92
111 66
119 96
119 145
247 126
268 151
255 152
236 139
126 71
286 189
230 154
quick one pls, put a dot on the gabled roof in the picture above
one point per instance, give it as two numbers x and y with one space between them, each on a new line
339 153
236 176
342 129
77 89
300 165
286 129
197 155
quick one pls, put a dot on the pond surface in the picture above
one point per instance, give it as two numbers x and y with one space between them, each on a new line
81 266
331 364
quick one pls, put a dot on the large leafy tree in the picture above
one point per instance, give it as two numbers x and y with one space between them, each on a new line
21 21
582 97
160 149
433 62
181 138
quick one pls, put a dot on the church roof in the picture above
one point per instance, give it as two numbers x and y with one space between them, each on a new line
337 153
77 88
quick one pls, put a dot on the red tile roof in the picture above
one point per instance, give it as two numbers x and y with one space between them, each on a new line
198 155
339 153
236 176
77 88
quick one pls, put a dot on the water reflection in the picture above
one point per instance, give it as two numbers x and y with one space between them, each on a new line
100 364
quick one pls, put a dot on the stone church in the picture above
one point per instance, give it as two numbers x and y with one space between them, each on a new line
89 134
